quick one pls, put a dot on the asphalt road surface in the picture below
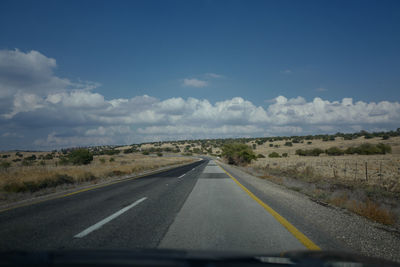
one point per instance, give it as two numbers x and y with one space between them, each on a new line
197 206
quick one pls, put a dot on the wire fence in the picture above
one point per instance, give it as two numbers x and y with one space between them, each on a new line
373 170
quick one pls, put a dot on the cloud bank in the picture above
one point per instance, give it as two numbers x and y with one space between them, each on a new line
42 111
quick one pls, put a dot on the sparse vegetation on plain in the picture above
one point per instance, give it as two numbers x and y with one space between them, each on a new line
364 170
340 169
274 155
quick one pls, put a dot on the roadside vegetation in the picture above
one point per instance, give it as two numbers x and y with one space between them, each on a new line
378 202
57 170
238 154
356 171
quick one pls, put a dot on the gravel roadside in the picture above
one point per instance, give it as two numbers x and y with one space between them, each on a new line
329 227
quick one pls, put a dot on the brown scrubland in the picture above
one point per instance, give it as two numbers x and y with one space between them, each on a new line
368 185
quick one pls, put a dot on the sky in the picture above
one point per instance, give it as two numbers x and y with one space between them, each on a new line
81 73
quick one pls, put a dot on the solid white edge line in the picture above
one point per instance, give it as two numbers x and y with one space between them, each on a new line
181 175
108 219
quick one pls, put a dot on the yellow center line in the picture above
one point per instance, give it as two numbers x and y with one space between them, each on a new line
293 230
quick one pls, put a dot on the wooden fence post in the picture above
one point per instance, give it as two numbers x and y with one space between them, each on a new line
355 172
366 171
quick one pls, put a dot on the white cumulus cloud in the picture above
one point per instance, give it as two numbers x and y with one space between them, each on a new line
194 83
62 113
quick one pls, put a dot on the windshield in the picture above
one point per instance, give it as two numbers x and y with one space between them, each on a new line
254 127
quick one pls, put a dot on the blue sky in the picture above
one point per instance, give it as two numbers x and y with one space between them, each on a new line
214 51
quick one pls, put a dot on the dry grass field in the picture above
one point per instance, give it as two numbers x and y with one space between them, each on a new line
365 184
42 174
382 170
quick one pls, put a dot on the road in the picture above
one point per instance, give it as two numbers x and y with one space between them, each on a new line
197 206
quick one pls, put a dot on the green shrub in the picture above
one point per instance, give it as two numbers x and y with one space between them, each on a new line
112 159
63 160
309 152
145 152
369 149
167 149
260 156
112 152
102 160
260 142
271 145
80 157
4 165
238 153
316 152
288 144
33 157
274 155
309 142
334 151
159 154
368 136
364 149
348 137
12 187
48 156
285 155
197 150
129 150
384 148
26 162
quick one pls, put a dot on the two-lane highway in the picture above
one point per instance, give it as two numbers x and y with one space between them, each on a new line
197 206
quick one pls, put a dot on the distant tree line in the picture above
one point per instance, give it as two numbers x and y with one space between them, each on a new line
364 149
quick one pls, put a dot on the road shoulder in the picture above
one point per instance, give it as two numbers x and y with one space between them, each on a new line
219 216
331 228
